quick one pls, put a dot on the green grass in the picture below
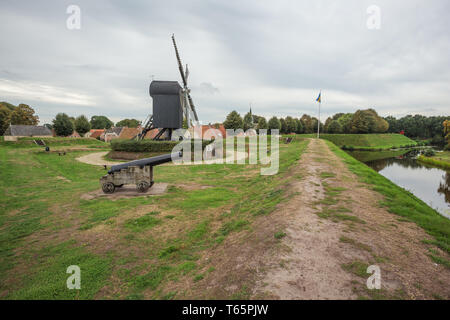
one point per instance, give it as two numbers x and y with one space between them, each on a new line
40 207
55 142
142 223
279 235
401 202
358 268
365 156
48 279
441 160
368 141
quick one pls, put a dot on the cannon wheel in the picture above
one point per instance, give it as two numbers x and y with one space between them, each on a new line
108 187
142 186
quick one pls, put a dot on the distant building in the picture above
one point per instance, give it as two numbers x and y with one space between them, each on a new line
112 133
19 131
74 134
129 133
94 133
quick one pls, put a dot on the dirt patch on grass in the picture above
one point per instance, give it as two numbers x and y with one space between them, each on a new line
96 159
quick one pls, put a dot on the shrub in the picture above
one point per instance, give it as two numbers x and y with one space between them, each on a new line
148 145
429 153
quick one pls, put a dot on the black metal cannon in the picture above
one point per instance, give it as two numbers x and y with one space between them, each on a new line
138 172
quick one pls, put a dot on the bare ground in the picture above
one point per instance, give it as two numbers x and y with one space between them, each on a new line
326 257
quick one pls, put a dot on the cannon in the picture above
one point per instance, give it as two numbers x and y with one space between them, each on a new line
138 172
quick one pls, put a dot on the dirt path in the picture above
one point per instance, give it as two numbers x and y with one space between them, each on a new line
96 159
334 229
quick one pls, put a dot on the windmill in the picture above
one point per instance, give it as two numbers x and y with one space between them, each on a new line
189 108
171 105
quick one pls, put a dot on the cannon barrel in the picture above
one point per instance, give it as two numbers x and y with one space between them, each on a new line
153 161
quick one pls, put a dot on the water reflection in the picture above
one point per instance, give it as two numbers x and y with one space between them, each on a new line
430 184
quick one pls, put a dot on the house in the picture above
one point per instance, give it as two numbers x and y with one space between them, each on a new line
94 133
129 133
74 134
151 134
15 132
111 133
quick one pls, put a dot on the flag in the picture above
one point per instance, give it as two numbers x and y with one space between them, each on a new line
319 98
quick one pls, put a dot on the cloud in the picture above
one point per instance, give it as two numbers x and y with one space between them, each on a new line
42 92
276 56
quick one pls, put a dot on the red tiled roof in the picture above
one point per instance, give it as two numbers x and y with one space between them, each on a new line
151 134
94 133
129 133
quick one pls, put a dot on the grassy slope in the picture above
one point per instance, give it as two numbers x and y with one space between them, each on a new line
367 141
55 142
441 159
403 203
38 209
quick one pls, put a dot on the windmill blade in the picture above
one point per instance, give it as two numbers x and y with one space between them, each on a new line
187 73
180 65
191 103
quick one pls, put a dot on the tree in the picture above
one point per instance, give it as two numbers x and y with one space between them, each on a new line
345 121
334 127
5 117
24 114
283 128
299 126
274 123
8 105
130 123
291 125
101 122
62 125
308 124
233 121
82 125
446 125
262 123
248 121
368 121
327 123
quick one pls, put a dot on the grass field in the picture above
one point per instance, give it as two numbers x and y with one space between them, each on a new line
55 142
132 248
441 159
403 203
367 141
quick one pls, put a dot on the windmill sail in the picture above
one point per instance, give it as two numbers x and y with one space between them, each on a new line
190 108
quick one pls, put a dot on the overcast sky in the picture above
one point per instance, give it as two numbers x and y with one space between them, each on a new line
276 55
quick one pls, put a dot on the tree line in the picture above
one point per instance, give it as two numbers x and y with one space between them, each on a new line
419 127
63 124
361 121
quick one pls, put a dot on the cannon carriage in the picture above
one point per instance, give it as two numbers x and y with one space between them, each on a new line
138 172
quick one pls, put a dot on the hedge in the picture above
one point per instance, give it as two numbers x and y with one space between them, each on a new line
148 145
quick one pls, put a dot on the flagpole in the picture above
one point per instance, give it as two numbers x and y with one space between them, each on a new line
318 122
